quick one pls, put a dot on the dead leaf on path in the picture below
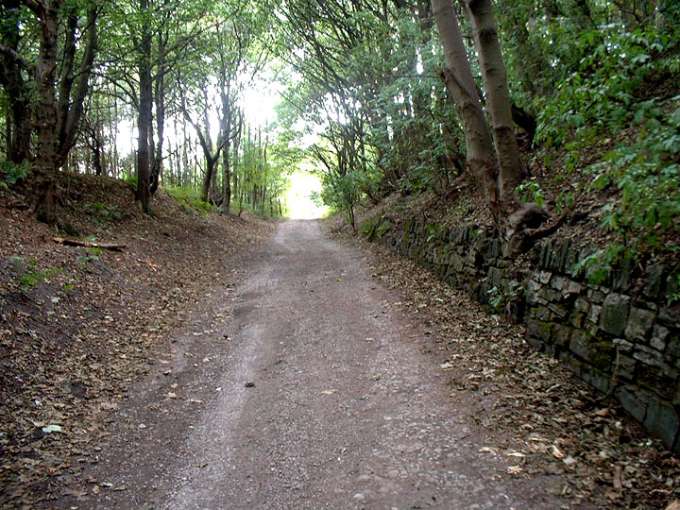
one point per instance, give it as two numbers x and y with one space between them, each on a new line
617 478
51 429
75 493
569 460
556 452
514 470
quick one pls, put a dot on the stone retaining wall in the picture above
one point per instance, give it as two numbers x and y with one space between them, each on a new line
622 336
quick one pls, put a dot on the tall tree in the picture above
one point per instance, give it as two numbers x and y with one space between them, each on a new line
496 87
461 85
57 90
145 118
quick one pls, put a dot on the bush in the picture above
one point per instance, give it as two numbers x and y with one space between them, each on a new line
32 276
131 180
599 93
646 173
11 173
103 213
190 199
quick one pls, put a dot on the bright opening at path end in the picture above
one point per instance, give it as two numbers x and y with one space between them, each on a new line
299 198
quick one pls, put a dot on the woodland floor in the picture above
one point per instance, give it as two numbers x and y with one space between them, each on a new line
213 365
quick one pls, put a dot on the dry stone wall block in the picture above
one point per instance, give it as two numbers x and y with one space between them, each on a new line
640 323
614 334
615 311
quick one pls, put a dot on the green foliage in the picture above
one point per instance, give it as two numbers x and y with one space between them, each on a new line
367 228
11 173
341 192
189 199
598 266
103 213
530 191
375 228
501 297
131 180
674 293
598 91
434 231
84 260
646 173
564 200
33 276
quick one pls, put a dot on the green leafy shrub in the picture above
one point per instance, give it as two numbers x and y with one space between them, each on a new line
674 294
103 213
94 251
598 266
130 179
342 192
530 191
33 276
190 200
611 65
501 297
646 173
12 173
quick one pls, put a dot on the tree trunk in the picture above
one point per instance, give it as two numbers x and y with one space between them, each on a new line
210 164
235 162
46 115
460 83
114 139
226 179
145 110
498 97
159 96
18 118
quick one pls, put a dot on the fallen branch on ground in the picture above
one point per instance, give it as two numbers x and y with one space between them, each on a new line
88 244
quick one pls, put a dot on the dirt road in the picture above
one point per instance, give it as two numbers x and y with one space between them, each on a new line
301 388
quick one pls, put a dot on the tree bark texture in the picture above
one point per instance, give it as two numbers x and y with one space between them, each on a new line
460 83
498 97
145 111
18 113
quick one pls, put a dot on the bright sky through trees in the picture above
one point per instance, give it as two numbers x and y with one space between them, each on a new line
300 197
259 103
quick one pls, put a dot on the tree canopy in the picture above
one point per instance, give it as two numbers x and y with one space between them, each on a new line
404 96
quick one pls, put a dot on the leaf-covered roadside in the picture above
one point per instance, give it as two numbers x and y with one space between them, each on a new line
533 412
79 325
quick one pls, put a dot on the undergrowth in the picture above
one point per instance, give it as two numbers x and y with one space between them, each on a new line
605 101
189 199
32 275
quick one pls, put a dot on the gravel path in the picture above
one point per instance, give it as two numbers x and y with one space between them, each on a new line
301 389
